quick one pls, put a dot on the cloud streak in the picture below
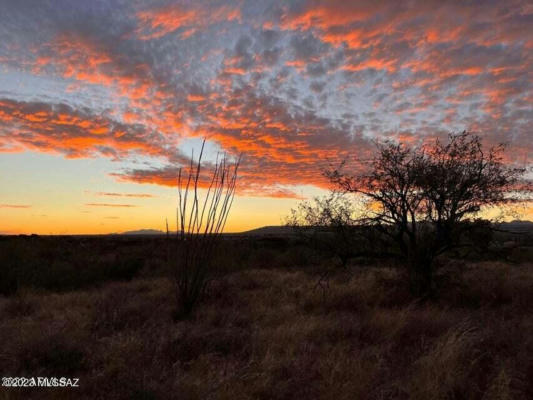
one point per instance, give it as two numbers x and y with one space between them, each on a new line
15 206
113 194
110 205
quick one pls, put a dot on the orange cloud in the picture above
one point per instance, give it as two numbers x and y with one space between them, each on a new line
326 15
156 23
86 60
60 129
195 98
388 65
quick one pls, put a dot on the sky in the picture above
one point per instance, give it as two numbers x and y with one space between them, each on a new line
102 101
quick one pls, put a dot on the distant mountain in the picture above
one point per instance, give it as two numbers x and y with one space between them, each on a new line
516 226
282 230
144 232
276 230
273 230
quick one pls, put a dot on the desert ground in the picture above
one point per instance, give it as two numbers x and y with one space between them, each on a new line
101 309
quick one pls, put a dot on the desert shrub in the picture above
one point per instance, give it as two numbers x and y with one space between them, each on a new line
9 280
59 264
62 275
329 223
19 305
231 256
124 269
119 308
264 257
18 259
200 226
299 256
484 286
57 355
442 372
521 254
500 388
224 341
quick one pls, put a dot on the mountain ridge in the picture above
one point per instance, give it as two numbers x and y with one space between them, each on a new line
268 230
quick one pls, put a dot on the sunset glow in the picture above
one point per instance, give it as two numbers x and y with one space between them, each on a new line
102 101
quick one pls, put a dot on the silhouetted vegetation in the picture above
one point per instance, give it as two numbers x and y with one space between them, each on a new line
330 224
425 200
200 225
67 263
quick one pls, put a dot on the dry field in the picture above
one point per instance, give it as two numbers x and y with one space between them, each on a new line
268 333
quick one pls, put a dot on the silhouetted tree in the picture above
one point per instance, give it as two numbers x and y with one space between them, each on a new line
330 224
424 199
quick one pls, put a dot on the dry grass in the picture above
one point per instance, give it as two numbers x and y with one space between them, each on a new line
267 334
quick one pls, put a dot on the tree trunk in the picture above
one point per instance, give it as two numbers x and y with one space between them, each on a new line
344 260
420 277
